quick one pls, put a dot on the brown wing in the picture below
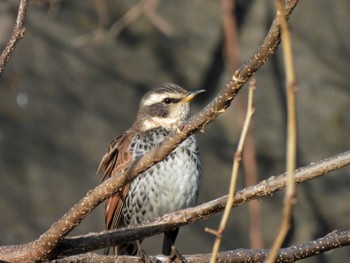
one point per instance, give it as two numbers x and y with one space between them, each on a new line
117 158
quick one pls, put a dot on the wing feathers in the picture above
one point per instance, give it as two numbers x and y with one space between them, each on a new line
116 159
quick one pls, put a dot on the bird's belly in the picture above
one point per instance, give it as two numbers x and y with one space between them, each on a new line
168 186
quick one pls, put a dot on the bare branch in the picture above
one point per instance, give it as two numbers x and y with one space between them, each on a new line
331 241
92 241
17 35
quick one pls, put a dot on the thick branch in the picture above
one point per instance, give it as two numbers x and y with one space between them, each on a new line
93 241
40 248
331 241
17 35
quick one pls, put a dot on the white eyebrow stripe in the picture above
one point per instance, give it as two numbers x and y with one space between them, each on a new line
156 98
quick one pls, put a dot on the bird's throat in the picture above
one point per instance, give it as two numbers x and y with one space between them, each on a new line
154 122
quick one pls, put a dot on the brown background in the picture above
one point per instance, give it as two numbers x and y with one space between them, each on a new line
62 103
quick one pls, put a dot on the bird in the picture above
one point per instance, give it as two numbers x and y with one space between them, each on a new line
168 186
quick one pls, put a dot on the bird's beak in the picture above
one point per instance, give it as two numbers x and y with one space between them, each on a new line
192 95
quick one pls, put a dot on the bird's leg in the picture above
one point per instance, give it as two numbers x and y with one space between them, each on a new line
169 241
168 246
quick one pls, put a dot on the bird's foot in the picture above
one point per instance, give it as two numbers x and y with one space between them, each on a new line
175 255
142 254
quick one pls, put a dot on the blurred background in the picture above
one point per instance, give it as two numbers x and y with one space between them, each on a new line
75 80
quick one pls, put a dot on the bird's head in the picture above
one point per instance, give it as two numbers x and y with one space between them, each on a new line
164 106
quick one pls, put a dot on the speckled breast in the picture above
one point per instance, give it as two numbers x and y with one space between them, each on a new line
168 186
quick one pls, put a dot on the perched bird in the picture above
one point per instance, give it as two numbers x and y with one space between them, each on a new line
168 186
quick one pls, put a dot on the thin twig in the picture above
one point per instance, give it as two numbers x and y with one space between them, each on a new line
290 196
102 34
236 162
158 21
17 35
143 7
131 15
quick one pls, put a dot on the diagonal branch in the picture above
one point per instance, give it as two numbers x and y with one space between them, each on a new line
17 35
93 241
40 248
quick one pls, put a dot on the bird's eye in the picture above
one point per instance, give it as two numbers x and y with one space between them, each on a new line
167 100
